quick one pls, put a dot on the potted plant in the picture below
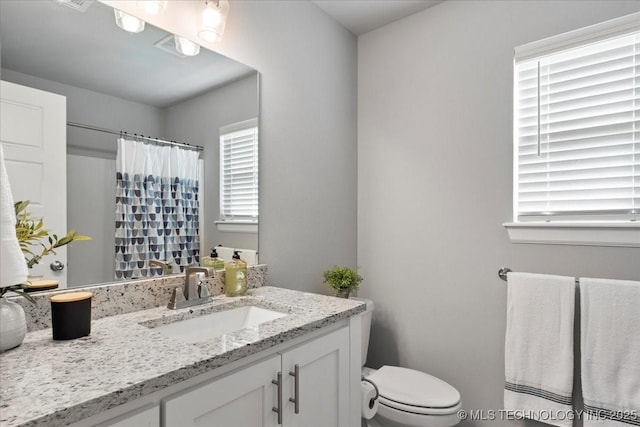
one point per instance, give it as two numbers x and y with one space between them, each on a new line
343 280
35 242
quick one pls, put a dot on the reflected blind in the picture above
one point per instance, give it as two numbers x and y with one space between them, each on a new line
239 172
577 132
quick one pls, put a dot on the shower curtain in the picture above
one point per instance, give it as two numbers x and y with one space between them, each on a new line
156 208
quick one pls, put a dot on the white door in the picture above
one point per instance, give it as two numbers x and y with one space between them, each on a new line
33 134
323 382
243 399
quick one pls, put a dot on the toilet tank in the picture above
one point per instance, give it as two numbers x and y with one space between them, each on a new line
366 327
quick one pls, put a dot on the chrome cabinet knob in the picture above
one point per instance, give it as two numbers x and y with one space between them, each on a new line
57 266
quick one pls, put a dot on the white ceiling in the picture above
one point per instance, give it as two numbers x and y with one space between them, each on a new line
362 16
87 50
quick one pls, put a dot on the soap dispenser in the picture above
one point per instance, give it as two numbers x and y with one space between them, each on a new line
235 277
213 260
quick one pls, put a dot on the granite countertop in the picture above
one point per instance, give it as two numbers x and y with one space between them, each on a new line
49 383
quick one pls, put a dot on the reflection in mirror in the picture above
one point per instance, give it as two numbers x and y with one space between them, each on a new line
140 84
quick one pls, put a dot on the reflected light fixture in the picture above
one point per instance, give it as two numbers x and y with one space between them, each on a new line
186 46
127 22
153 7
214 19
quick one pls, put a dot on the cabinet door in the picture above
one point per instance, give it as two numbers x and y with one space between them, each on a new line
244 398
323 382
146 417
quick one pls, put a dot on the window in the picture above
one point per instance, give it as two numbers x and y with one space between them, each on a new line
577 127
239 172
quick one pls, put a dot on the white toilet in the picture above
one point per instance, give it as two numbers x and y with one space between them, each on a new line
408 398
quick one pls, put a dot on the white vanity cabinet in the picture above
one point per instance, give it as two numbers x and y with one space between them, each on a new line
315 372
323 382
148 416
244 398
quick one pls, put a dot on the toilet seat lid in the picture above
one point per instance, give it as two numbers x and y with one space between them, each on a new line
414 388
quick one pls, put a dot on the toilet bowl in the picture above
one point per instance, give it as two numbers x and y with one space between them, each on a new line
408 398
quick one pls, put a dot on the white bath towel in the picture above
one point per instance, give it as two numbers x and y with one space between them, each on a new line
13 267
610 351
539 347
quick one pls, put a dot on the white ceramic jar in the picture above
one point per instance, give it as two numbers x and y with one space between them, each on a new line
13 324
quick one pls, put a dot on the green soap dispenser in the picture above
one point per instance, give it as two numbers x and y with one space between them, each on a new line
213 261
235 277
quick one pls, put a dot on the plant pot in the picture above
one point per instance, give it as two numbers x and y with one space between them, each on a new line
13 324
343 292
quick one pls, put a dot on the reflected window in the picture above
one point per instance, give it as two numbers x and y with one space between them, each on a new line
239 172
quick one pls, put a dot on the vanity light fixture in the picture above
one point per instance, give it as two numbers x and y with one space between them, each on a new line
214 19
153 7
186 46
127 22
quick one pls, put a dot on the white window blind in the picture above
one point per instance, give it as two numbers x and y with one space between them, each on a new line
577 130
239 172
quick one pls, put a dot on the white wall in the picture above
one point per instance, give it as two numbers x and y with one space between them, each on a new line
307 129
434 186
198 121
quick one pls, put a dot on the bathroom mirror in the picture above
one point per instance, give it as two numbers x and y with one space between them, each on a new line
120 81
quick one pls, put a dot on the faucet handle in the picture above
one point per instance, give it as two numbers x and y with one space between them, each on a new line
177 297
203 290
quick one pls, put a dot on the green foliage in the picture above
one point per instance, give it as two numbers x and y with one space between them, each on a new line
36 242
31 233
342 278
18 289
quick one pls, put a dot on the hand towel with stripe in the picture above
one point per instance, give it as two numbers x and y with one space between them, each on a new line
539 347
610 352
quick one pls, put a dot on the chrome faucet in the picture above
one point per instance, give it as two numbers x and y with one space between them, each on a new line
191 293
167 268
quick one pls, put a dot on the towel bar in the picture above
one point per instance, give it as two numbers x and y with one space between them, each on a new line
502 273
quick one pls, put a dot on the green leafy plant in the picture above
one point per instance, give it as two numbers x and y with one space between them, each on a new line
18 289
36 241
342 279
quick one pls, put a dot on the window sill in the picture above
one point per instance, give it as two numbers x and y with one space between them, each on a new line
626 234
237 226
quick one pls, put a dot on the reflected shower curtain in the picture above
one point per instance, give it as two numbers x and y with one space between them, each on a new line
156 208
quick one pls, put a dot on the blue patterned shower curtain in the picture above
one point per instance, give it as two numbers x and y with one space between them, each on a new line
156 208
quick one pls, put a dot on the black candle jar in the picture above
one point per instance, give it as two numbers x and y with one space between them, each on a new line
71 315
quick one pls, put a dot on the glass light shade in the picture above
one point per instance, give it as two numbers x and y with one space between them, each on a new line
186 46
153 7
214 20
127 22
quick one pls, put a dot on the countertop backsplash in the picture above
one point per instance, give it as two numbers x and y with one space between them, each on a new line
126 297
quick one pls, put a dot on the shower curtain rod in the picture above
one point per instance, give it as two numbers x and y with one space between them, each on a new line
146 138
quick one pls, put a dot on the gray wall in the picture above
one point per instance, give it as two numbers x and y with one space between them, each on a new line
308 66
197 121
435 183
91 190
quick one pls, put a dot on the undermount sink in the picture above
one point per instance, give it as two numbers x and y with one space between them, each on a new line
209 326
